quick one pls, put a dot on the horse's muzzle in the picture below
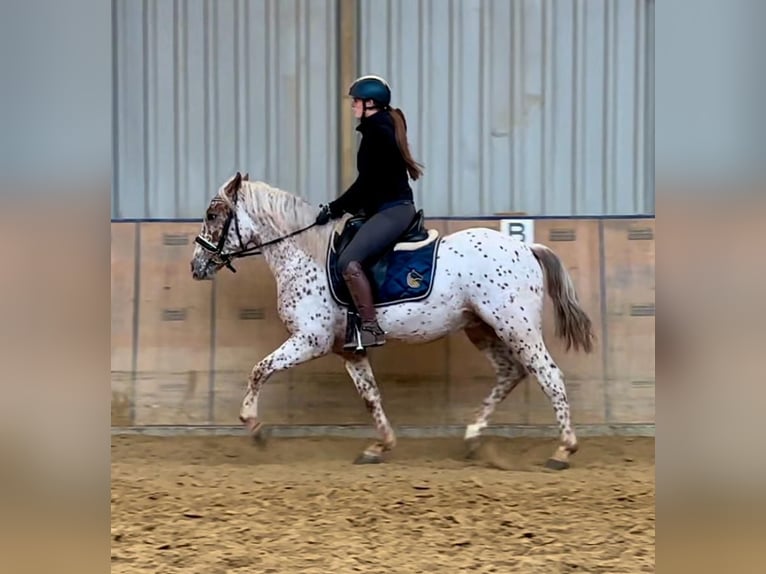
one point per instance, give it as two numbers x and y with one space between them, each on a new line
199 272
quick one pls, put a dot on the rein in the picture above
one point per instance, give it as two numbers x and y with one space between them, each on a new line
226 258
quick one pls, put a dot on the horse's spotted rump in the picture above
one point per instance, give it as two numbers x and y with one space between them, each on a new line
478 287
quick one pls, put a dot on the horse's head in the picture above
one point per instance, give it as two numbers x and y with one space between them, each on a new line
223 233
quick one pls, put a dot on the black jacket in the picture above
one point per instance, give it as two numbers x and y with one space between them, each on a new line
382 171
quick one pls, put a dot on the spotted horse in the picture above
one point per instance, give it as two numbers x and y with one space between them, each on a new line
485 283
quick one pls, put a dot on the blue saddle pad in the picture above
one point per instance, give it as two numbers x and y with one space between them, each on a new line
397 277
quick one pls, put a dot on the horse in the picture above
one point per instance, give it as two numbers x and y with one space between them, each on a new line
428 285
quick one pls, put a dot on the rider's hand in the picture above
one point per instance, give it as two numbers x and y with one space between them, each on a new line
324 215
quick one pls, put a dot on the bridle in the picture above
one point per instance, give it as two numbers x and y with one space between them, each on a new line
225 259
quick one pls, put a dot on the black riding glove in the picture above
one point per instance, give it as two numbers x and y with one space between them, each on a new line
325 215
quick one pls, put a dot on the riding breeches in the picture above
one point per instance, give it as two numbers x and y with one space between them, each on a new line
377 234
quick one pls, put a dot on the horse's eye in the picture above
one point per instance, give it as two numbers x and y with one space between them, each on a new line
210 216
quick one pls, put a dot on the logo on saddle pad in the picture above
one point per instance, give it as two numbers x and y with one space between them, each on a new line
414 279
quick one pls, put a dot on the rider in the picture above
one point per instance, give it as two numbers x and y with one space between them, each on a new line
381 190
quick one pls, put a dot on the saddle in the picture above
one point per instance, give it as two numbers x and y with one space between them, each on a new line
344 233
403 273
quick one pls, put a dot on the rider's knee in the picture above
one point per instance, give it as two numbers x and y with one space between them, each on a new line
349 266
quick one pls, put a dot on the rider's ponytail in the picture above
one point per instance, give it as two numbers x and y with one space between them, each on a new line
414 168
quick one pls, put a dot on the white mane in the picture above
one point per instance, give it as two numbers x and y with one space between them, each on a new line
282 213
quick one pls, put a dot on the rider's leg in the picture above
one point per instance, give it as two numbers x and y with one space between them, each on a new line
374 237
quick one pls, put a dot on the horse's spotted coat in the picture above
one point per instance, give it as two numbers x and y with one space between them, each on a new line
486 283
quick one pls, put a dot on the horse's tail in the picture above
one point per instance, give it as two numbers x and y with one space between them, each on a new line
572 322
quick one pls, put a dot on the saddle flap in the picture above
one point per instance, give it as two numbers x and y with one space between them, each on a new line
344 232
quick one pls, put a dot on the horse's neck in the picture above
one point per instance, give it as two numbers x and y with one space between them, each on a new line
283 255
286 257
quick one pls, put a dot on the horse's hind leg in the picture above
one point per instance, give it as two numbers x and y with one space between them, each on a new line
509 374
360 371
531 350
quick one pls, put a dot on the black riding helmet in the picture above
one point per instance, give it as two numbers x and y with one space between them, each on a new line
372 88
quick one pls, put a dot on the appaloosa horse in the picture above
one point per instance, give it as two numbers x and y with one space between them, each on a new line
427 286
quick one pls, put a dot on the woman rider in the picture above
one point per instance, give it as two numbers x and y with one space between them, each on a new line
381 190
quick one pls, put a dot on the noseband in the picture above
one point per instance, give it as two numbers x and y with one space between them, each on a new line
226 258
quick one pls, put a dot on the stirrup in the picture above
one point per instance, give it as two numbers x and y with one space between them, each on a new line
361 335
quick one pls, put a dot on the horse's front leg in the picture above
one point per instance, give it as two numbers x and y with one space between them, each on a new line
358 367
299 348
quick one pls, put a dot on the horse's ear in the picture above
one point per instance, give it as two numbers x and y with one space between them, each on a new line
234 185
246 177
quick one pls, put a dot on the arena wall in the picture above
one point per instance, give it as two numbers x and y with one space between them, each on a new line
182 350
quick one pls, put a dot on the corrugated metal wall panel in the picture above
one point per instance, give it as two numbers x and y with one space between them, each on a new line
526 105
204 88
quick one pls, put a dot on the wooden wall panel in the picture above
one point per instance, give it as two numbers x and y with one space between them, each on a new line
174 329
321 392
413 381
632 401
629 266
186 327
123 266
166 397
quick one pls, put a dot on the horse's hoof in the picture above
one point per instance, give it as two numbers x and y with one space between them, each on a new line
472 447
369 458
554 464
260 437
